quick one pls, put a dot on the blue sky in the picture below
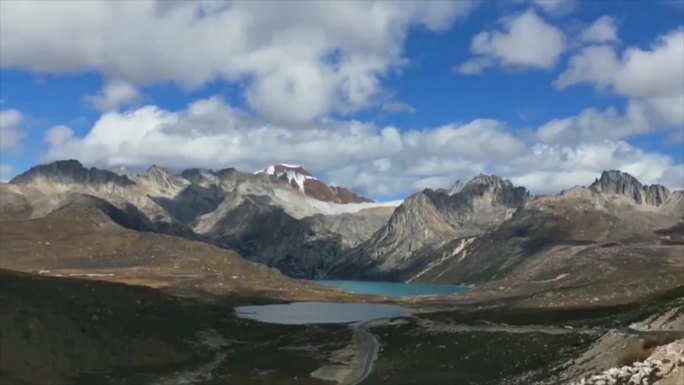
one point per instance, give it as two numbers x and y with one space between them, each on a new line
376 97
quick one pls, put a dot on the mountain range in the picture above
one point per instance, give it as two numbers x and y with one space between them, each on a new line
482 230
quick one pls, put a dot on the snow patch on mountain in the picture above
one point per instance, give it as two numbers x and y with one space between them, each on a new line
290 173
301 207
297 178
330 208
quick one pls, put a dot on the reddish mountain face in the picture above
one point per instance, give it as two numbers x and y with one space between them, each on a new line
316 189
302 180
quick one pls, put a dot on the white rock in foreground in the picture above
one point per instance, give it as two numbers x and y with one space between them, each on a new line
666 361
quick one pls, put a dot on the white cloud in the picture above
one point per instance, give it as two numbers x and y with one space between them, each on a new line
10 129
115 94
638 73
652 79
525 41
197 136
58 135
373 160
298 61
673 177
603 30
475 65
6 172
592 124
550 168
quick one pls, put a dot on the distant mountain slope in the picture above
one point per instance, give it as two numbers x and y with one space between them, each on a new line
267 216
607 234
428 218
484 229
88 237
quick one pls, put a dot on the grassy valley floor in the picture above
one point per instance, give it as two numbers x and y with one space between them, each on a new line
69 331
73 331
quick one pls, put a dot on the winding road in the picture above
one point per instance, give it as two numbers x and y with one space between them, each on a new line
368 351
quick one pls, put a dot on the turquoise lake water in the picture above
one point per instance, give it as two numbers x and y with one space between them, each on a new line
393 289
299 313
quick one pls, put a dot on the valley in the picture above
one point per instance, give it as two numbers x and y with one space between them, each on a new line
151 270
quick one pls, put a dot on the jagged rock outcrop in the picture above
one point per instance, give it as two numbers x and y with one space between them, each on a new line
53 185
159 181
622 183
456 187
665 365
66 172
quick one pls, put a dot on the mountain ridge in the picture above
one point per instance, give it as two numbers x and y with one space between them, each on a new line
269 217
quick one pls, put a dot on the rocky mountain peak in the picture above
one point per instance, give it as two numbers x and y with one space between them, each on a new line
617 182
621 183
501 191
301 179
72 172
294 174
284 168
656 194
161 179
194 175
226 172
158 172
456 187
488 181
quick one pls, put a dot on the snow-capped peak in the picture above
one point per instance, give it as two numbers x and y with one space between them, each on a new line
290 172
310 186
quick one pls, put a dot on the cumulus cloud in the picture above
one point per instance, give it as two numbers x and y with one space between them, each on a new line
525 41
673 176
57 135
652 78
371 159
592 124
554 167
475 65
603 30
10 129
298 61
115 94
639 73
209 132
